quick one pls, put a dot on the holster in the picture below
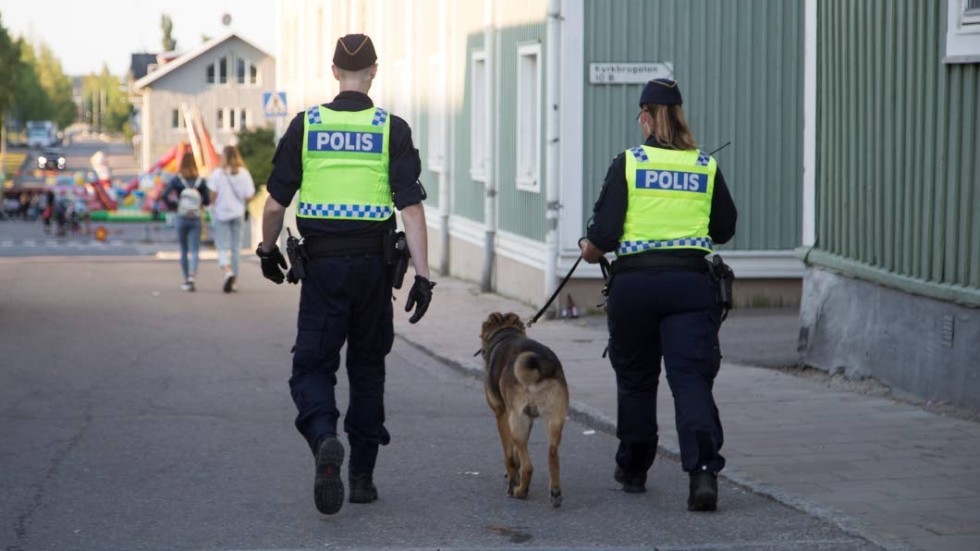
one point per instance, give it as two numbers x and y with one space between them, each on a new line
723 276
396 257
297 257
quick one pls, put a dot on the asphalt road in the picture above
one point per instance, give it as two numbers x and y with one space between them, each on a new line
135 417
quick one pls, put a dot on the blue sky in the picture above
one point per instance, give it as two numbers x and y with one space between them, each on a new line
84 34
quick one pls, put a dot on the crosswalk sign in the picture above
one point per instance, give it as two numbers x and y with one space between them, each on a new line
274 104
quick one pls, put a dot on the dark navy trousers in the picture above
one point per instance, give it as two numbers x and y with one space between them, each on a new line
673 315
343 299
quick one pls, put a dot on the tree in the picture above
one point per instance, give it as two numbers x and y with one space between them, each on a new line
57 86
167 25
257 148
10 60
106 103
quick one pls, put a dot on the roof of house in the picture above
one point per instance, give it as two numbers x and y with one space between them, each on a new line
139 64
190 56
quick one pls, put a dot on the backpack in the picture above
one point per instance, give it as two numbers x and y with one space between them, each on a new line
189 203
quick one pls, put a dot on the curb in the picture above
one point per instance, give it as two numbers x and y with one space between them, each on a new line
591 417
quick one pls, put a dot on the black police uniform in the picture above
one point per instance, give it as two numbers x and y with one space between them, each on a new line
668 312
345 297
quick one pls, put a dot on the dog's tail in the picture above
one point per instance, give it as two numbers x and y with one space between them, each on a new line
530 367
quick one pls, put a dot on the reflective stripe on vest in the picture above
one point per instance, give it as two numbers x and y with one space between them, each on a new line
668 200
345 165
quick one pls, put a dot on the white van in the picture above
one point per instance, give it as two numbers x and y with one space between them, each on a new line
42 134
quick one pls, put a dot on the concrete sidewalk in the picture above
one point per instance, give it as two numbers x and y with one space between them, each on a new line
900 476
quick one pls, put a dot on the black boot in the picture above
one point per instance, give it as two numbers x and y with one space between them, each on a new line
632 483
362 488
704 490
328 488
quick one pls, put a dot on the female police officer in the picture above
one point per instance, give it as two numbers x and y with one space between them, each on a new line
352 164
663 205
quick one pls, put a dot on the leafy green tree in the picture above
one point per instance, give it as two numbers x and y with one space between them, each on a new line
105 100
167 26
56 85
31 99
257 148
11 62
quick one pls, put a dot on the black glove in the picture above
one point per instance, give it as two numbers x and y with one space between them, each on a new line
272 264
419 297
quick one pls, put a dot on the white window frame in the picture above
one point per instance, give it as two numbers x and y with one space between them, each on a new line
962 33
528 178
479 117
181 125
436 116
229 68
221 120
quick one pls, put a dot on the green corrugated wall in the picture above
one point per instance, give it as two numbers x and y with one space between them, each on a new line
467 193
519 212
898 176
739 64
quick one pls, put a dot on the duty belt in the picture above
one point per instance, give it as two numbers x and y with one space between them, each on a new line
659 260
343 246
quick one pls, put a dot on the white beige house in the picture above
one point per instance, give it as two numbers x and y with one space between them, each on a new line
222 80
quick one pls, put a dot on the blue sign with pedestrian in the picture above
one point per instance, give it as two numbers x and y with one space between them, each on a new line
274 104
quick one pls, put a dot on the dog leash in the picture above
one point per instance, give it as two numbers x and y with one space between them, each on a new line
554 295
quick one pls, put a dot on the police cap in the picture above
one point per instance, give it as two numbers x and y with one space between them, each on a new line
354 52
661 91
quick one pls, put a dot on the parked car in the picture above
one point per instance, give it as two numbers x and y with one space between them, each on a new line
51 160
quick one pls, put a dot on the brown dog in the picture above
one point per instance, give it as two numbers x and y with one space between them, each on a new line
523 380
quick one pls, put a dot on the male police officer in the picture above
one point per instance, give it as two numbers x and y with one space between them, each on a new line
353 163
663 205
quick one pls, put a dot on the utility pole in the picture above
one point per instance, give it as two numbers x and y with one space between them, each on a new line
95 110
104 97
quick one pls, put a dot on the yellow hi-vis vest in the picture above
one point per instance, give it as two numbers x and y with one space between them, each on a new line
668 200
345 165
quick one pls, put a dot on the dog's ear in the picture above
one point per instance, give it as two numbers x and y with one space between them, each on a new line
513 320
493 320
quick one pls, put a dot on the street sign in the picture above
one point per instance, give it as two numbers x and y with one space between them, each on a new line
629 73
274 104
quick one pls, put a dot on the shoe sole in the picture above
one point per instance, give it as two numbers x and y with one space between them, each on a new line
703 503
328 488
362 498
630 488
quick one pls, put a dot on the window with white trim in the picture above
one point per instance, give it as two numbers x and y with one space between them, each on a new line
246 72
176 120
217 71
479 117
962 31
220 125
529 117
437 115
237 119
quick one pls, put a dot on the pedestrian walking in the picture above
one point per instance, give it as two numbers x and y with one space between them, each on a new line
187 195
353 164
232 187
663 206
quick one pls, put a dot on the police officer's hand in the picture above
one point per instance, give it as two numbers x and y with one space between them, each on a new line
590 253
273 264
419 297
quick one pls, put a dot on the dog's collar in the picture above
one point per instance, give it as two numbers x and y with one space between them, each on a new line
495 340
